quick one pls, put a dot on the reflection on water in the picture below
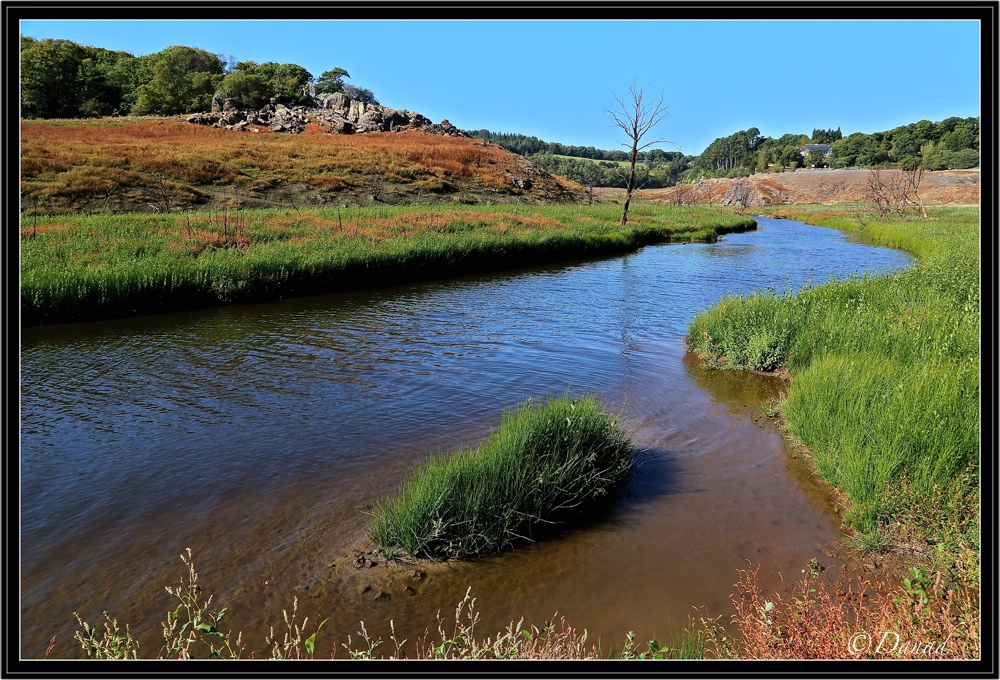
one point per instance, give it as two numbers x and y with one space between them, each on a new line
257 435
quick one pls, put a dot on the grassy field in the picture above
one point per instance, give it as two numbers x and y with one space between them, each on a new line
80 267
885 389
623 164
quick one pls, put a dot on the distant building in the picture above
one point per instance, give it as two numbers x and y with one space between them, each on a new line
825 148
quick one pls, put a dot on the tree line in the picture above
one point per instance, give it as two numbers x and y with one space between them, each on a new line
591 166
950 144
63 79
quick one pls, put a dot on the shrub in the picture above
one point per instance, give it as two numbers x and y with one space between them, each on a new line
926 618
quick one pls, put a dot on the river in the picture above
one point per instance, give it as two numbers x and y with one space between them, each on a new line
258 436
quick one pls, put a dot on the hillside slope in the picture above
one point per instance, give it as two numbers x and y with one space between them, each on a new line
829 187
169 165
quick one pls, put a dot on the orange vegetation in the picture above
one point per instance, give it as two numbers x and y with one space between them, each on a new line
63 160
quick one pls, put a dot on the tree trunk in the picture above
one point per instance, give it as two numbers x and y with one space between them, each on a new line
631 180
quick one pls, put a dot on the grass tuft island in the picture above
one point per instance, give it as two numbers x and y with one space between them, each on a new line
544 461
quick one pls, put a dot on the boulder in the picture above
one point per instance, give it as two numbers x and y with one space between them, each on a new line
335 111
336 101
371 120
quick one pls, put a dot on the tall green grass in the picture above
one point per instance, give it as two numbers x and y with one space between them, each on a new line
885 385
85 267
542 462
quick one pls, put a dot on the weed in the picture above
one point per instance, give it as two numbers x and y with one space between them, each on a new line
852 620
109 643
193 622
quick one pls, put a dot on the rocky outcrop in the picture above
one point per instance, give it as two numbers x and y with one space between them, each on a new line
336 112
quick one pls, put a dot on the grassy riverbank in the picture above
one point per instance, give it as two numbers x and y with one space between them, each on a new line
884 392
82 267
543 461
884 382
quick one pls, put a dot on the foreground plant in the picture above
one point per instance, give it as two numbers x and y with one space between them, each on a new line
109 643
926 618
199 633
542 462
200 624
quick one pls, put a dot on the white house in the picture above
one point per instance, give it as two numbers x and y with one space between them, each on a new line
825 148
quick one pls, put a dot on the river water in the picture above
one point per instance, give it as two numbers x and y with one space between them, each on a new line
259 435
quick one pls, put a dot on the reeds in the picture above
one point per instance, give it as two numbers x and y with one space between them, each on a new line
885 373
544 463
85 267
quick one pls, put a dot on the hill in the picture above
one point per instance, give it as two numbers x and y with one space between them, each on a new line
169 165
816 186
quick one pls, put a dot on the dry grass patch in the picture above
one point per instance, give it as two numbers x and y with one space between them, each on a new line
63 161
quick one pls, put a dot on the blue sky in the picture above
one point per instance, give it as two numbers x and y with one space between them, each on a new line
553 79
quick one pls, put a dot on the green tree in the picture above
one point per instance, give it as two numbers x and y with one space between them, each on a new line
904 145
821 136
361 94
790 157
332 81
924 130
966 158
961 137
244 87
591 177
184 80
50 82
106 79
935 156
286 82
816 159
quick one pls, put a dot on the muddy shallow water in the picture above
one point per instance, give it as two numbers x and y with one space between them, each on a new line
258 436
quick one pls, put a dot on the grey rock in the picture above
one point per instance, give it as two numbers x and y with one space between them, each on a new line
337 112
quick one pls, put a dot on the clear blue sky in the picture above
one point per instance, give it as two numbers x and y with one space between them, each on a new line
552 79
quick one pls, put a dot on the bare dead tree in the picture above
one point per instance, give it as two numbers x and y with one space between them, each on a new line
741 194
376 178
859 214
636 118
591 176
163 193
158 193
912 178
894 193
34 216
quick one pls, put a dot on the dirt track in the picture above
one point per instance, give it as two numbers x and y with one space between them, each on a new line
828 187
